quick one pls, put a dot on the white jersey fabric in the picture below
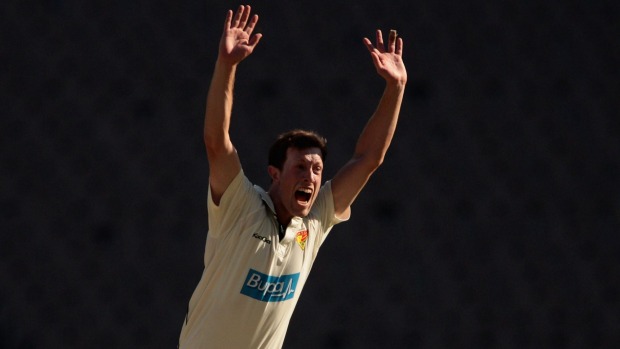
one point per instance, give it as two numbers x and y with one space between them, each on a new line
252 280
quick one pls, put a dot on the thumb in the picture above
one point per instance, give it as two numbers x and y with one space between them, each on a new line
255 39
375 59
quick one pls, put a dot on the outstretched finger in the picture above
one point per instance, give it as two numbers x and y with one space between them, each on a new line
245 16
392 41
228 20
380 45
250 28
235 23
368 45
399 46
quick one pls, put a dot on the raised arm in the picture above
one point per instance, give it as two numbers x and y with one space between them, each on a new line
236 44
377 135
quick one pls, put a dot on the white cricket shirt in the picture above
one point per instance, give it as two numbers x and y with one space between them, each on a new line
252 281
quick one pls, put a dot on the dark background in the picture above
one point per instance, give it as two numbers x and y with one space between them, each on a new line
493 223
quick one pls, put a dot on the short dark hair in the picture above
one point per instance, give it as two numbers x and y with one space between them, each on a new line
300 139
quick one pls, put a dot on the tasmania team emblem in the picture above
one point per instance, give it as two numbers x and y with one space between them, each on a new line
301 238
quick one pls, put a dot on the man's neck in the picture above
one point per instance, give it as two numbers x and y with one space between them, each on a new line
282 215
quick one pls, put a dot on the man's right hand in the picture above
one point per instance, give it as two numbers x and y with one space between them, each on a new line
237 41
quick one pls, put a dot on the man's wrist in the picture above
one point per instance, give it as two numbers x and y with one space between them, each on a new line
225 65
395 85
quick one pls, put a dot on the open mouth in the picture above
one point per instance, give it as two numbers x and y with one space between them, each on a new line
303 195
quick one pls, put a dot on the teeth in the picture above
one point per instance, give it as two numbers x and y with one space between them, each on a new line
306 190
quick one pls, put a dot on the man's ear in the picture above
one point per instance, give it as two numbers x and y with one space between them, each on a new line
274 173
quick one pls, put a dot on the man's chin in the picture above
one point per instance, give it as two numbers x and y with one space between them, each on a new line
303 210
303 213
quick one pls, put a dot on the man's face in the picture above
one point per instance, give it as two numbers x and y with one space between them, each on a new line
299 181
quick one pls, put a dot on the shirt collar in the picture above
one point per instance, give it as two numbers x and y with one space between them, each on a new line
266 199
295 221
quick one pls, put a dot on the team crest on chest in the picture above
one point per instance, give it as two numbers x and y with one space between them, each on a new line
301 237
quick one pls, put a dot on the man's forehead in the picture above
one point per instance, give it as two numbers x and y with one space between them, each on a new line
306 154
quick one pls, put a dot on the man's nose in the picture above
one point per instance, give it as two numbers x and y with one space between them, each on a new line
308 175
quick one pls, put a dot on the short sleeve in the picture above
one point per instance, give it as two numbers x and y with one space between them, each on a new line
324 214
238 199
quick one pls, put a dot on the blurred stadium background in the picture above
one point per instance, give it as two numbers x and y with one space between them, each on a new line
492 224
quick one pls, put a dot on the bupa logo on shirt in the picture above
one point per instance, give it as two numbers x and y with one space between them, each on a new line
267 288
